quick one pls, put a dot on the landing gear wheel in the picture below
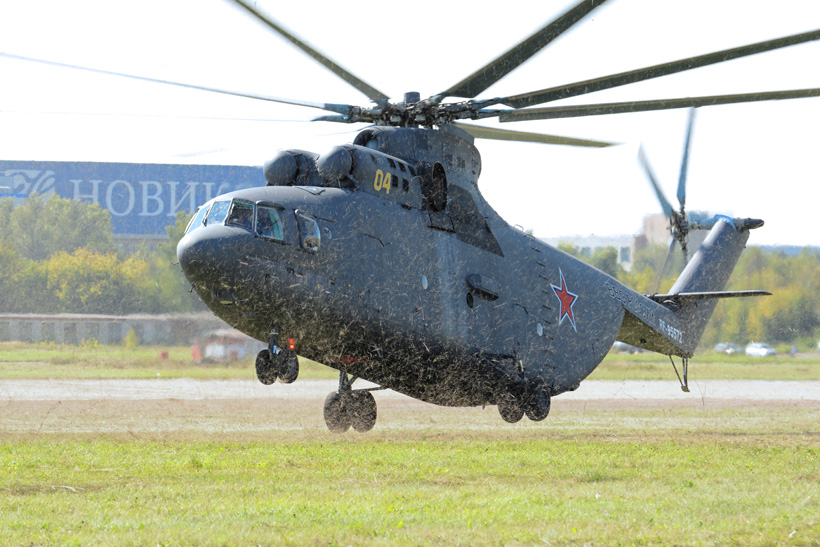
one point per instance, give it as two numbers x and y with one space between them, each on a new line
509 408
337 418
362 411
289 369
265 369
538 404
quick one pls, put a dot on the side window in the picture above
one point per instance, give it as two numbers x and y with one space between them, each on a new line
196 221
309 233
269 222
218 212
241 215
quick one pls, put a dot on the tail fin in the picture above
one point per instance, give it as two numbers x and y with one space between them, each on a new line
693 296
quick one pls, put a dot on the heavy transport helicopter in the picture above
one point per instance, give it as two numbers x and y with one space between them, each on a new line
382 259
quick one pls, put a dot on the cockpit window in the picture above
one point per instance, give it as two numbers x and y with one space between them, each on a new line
218 212
241 215
310 235
196 220
268 222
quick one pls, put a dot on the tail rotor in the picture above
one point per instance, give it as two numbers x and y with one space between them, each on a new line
679 224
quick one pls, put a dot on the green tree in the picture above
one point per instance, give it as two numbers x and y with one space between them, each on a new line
570 249
40 228
606 260
86 282
603 258
175 291
23 283
791 313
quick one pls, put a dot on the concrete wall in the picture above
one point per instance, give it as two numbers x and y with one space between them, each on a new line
74 329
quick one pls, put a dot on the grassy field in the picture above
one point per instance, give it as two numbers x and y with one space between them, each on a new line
19 360
728 477
267 472
648 366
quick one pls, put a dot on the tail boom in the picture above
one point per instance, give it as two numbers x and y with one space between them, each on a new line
679 318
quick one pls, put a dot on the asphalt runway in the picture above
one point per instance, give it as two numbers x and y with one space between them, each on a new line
750 391
182 408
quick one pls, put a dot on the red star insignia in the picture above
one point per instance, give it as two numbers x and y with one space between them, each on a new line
567 301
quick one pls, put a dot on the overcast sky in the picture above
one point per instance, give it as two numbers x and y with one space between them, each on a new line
756 160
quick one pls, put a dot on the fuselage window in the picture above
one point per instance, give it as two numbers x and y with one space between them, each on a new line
241 215
217 213
196 221
309 233
269 222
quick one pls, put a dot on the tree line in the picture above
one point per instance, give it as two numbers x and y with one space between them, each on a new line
58 255
791 315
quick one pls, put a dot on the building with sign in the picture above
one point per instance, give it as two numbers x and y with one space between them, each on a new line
142 199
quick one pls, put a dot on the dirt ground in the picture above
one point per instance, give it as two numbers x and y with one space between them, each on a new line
249 409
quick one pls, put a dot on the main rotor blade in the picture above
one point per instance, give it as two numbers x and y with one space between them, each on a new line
645 106
481 132
490 73
684 166
624 78
339 108
668 210
371 92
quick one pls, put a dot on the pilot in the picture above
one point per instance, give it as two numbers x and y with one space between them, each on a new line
268 223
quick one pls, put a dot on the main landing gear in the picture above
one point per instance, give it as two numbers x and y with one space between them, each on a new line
345 408
277 363
534 401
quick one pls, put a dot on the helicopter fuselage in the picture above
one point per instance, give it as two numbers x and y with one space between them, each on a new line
400 273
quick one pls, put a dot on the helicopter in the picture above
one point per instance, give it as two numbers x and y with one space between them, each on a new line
382 259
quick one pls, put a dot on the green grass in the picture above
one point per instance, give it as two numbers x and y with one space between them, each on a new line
508 486
54 361
726 476
648 366
18 360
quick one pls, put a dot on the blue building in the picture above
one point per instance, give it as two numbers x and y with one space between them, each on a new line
142 199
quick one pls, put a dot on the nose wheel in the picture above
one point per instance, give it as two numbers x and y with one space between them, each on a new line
346 408
282 366
276 363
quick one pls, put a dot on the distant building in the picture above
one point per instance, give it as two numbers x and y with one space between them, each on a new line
74 329
587 245
654 231
142 199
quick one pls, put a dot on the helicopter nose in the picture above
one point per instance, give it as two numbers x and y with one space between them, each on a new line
186 255
197 256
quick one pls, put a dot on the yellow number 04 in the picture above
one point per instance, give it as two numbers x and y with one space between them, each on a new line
383 181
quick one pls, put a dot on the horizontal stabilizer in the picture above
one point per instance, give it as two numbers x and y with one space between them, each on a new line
709 295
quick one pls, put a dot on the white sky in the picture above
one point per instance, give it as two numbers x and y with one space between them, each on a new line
757 160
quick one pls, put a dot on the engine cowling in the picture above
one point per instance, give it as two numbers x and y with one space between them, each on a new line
292 168
336 164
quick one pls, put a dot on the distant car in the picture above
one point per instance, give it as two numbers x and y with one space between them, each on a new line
622 347
728 348
759 349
